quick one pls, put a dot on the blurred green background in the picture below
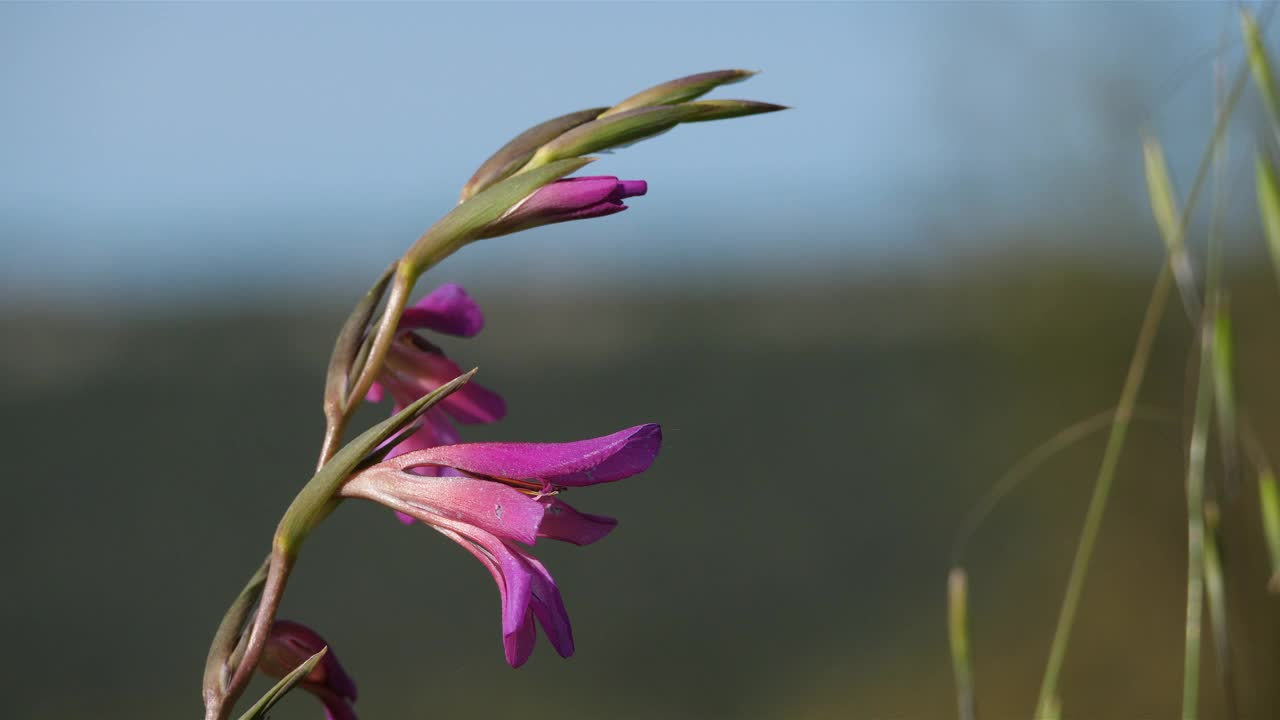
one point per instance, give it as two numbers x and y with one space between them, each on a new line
849 318
786 556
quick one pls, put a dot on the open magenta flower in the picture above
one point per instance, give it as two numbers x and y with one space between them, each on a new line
291 643
415 367
569 199
495 498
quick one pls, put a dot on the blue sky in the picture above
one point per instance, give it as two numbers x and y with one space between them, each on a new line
163 150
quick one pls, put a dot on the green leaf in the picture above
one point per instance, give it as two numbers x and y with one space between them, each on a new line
1224 392
1269 207
1269 505
282 688
1260 65
463 223
610 132
1216 591
512 156
725 109
1164 203
679 90
318 497
958 633
1164 206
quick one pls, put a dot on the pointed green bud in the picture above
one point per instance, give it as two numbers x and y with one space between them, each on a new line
318 498
679 90
512 156
725 109
610 132
464 223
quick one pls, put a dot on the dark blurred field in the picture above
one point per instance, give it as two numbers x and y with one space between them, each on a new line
785 558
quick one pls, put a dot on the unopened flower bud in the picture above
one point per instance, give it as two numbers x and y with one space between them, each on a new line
571 199
288 646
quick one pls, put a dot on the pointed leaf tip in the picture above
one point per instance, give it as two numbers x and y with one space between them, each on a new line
725 109
282 688
680 90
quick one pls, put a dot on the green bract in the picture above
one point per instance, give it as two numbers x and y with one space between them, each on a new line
462 223
725 109
679 90
318 497
512 156
610 132
282 688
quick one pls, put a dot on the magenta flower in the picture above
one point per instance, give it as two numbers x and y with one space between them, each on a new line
569 199
415 367
291 643
494 498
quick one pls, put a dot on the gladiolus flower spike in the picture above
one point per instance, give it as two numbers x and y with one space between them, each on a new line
495 498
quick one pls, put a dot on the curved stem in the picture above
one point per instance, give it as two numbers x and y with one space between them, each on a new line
382 338
272 593
334 426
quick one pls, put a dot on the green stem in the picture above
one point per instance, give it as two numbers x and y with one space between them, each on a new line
1048 698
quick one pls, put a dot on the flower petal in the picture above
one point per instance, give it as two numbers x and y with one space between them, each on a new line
494 508
586 462
447 309
289 644
518 646
548 606
419 372
567 194
335 706
509 570
563 522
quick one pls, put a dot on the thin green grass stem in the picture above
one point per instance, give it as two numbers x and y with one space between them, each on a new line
1196 450
1047 704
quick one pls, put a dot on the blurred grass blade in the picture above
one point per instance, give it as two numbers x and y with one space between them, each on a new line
1224 392
726 109
512 156
1164 207
1048 703
1269 208
1269 503
679 90
461 225
958 630
1260 65
1216 591
1196 451
279 690
610 132
221 662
